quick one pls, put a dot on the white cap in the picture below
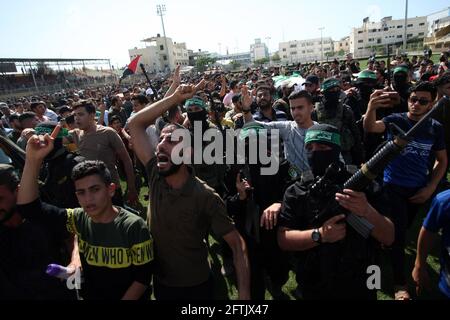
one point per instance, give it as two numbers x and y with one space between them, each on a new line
149 92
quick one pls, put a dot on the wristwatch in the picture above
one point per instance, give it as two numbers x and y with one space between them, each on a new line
316 236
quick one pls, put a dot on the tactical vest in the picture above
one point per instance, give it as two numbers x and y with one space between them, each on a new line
329 266
340 120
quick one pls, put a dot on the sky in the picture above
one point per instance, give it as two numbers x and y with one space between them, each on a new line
108 28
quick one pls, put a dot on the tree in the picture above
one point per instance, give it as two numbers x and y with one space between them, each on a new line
204 62
341 53
276 57
262 61
235 64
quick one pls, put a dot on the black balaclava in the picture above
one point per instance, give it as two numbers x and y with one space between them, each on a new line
365 90
331 99
198 116
201 116
325 134
400 81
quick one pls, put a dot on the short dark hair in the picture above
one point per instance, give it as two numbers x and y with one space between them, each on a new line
13 117
87 105
301 94
172 112
114 100
425 86
114 118
90 168
70 119
233 84
27 115
141 99
8 177
34 105
236 98
442 80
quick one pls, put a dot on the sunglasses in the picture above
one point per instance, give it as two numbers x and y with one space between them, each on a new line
422 102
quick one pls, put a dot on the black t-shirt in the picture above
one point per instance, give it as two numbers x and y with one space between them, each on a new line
25 253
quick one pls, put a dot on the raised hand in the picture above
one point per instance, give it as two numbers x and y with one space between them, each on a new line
380 99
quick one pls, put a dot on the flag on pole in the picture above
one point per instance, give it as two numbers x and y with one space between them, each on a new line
131 69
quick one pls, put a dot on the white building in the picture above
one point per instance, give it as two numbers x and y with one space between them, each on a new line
304 51
258 50
181 54
438 20
365 40
160 54
343 44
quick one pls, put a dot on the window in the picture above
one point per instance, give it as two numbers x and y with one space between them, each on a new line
161 47
386 29
379 40
284 57
399 36
399 27
410 35
421 34
293 46
370 39
360 48
421 24
410 25
165 57
360 32
360 41
374 30
303 51
293 53
284 49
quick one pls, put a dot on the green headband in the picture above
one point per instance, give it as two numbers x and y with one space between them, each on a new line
43 130
251 127
367 75
401 69
323 137
330 84
195 102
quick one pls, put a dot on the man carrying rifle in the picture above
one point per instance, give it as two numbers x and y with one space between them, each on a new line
334 258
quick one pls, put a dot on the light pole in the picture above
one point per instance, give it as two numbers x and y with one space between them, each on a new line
268 44
160 11
321 43
406 27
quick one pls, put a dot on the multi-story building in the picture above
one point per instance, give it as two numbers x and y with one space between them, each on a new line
258 50
342 45
161 54
439 31
438 21
304 51
372 35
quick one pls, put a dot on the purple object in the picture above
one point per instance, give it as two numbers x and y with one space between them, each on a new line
58 271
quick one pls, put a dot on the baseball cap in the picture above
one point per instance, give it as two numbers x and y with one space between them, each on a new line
312 80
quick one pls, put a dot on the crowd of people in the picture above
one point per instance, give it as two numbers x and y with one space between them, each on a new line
72 198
